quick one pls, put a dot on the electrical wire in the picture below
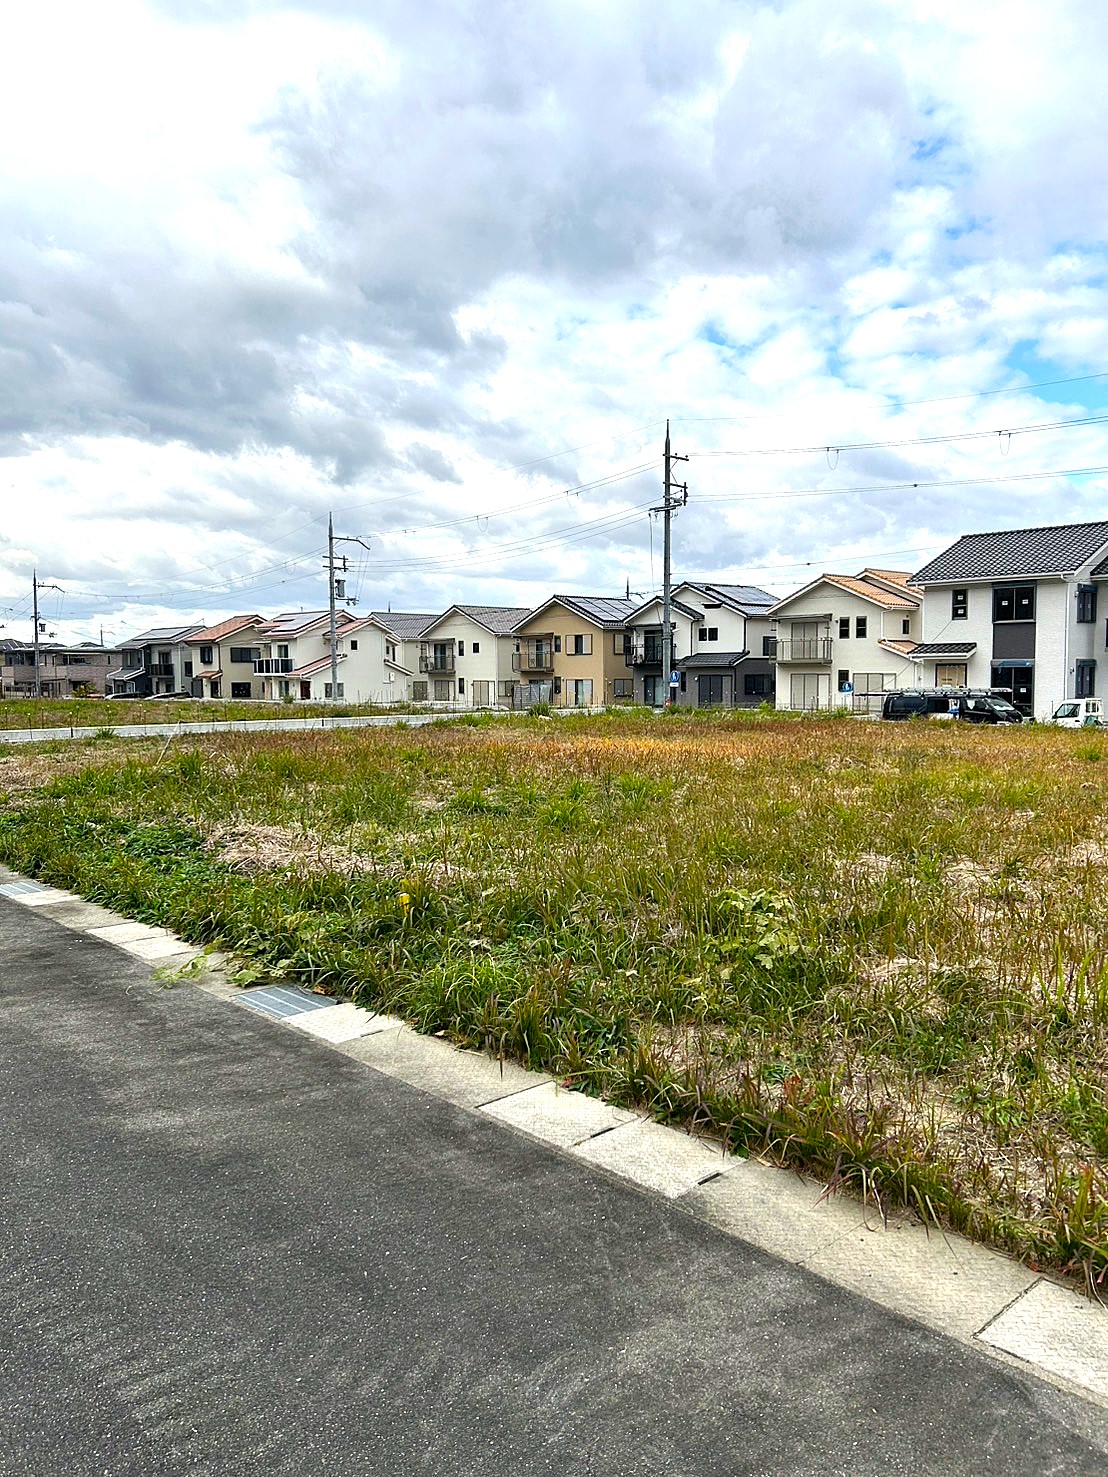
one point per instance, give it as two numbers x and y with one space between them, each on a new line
954 436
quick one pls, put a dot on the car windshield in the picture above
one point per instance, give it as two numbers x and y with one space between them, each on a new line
1067 710
998 705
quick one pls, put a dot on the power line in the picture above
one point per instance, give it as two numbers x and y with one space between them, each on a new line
837 446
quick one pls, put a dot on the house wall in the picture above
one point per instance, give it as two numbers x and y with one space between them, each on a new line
364 675
852 654
60 671
491 664
602 666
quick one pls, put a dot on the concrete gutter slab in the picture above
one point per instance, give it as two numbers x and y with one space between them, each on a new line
656 1157
345 1022
128 933
469 1079
556 1115
1056 1330
75 913
41 897
167 948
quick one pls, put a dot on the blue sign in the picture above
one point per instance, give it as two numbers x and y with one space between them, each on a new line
674 679
847 687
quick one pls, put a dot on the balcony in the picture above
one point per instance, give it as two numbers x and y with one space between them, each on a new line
160 669
437 664
536 656
815 650
277 666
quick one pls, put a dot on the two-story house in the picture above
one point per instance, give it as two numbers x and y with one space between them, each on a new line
218 661
406 628
844 640
62 670
571 651
294 659
1017 610
153 662
468 656
721 648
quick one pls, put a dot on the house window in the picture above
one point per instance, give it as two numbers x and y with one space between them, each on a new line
240 689
461 648
959 605
443 692
188 669
581 692
950 674
709 633
1086 603
557 643
475 648
623 688
757 684
205 656
245 654
1085 680
582 645
282 653
844 628
353 646
419 692
1013 603
390 651
843 680
504 688
461 686
327 689
769 646
906 626
859 626
214 687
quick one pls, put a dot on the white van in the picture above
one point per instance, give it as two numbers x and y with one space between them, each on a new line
1079 712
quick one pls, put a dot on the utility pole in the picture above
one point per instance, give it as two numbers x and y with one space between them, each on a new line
669 504
337 588
36 586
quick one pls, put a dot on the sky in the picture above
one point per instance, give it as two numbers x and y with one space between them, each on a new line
445 270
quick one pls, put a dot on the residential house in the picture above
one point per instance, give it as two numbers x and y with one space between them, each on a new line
219 661
844 640
406 628
294 659
152 663
721 647
572 651
1017 609
62 670
468 657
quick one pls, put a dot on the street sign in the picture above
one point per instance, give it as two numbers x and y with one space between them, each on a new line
674 679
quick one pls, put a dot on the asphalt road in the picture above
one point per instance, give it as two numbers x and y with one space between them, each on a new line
226 1249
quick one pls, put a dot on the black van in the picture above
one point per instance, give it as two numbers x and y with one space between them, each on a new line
970 705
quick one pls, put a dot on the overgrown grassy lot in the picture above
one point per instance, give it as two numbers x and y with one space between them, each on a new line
876 951
92 712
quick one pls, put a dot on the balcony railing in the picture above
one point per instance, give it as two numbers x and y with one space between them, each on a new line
275 666
161 669
437 664
536 656
813 649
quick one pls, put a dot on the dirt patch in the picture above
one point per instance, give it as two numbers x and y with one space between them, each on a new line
255 848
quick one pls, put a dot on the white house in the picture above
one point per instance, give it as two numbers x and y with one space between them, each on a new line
721 647
294 660
405 628
468 657
1016 609
843 640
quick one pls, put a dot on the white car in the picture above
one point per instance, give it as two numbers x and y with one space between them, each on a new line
1079 712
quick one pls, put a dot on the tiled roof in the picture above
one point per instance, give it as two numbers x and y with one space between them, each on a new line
1013 553
856 585
711 659
317 665
228 627
902 648
891 576
927 649
405 625
498 620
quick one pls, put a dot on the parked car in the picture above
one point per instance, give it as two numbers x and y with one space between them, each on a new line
1079 712
965 704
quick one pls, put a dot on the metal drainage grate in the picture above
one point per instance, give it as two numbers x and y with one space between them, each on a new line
20 889
281 1001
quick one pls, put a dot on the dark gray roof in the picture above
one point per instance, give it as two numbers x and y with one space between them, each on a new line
610 612
747 599
499 620
943 648
1016 552
162 633
690 610
711 659
405 625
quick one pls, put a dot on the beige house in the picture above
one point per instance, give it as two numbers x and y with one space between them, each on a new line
219 661
571 652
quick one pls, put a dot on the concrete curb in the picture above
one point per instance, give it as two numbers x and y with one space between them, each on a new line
953 1286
